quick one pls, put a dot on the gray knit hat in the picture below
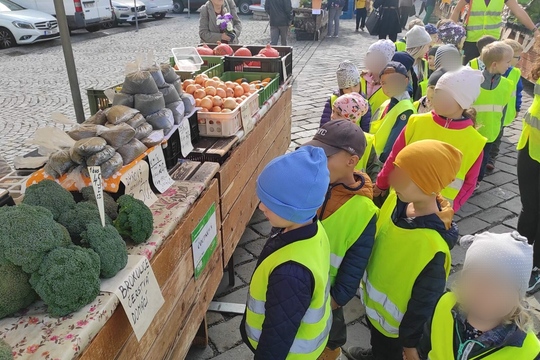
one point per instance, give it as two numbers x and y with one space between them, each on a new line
448 58
508 255
347 75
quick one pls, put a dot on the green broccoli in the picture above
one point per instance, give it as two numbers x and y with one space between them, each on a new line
76 219
109 245
27 234
15 291
67 279
111 207
135 220
50 195
6 353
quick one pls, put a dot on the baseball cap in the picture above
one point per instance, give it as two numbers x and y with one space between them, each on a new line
394 67
337 135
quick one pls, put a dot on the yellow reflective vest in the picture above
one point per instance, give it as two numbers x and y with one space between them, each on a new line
363 162
531 127
467 140
514 75
424 83
345 226
382 127
312 336
401 45
489 107
376 99
398 257
484 20
474 64
443 330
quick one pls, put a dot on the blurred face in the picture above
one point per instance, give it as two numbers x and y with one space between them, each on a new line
445 105
394 84
355 89
217 3
434 39
429 94
431 62
500 67
275 220
375 62
341 165
405 188
516 58
486 296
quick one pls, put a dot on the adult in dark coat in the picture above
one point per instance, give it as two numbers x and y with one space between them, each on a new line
280 13
389 25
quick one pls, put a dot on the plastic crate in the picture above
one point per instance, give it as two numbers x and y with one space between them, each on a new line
172 150
265 93
209 62
97 99
227 124
187 58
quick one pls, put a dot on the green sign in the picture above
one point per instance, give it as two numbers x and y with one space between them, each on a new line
204 240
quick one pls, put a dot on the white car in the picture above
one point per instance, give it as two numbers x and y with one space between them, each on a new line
21 26
158 8
124 11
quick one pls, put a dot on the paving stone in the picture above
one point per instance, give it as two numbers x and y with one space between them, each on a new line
511 187
495 215
256 246
236 297
485 201
502 193
241 352
354 310
484 186
226 335
213 317
458 255
311 126
500 229
245 271
196 353
471 225
248 236
500 178
264 228
468 209
258 216
514 205
304 140
241 255
512 223
357 335
508 160
511 169
224 286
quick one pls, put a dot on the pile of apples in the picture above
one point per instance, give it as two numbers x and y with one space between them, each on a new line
215 95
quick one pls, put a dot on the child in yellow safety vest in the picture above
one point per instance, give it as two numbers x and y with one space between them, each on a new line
288 311
450 121
477 62
349 218
410 262
378 55
418 44
350 107
424 105
495 95
484 317
513 74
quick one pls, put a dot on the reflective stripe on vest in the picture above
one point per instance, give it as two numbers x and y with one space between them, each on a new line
536 89
484 20
390 275
486 27
532 120
531 127
489 106
345 226
466 140
443 330
487 13
382 128
363 162
514 76
312 335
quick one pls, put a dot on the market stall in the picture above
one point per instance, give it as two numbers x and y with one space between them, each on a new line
310 24
198 219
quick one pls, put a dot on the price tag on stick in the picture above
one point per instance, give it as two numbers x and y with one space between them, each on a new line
160 176
97 185
186 146
247 120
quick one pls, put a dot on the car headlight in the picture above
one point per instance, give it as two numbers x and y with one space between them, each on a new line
23 25
121 8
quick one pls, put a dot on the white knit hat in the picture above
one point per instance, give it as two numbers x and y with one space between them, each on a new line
463 84
347 75
417 36
384 47
508 255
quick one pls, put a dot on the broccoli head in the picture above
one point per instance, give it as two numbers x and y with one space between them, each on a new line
27 234
76 219
109 245
50 195
111 207
6 353
67 279
15 291
135 220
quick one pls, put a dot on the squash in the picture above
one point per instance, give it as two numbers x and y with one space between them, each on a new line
269 51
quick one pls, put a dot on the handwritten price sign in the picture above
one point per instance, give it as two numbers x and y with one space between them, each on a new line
160 176
97 185
137 183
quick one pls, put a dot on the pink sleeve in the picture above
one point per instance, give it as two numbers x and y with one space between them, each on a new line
469 184
382 178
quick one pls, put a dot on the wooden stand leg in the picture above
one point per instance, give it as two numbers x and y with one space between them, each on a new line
201 338
230 269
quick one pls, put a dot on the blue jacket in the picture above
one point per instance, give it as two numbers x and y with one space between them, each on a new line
519 89
327 113
290 289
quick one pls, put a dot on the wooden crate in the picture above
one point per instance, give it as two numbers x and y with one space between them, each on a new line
271 137
186 298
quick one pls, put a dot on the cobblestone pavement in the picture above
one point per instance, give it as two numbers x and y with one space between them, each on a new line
28 97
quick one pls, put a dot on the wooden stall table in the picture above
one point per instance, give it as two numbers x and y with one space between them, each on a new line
309 26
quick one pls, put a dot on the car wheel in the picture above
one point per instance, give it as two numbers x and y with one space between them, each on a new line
93 28
108 25
159 16
243 7
6 39
178 7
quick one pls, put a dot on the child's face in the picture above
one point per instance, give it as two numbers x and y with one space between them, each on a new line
486 296
355 89
500 67
375 62
434 39
394 84
341 165
406 190
516 58
431 62
461 43
444 104
274 219
429 94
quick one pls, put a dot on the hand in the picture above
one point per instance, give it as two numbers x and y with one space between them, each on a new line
537 34
334 304
378 192
411 354
225 37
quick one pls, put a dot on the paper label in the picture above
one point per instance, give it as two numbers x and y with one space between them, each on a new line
204 240
138 291
160 176
316 11
97 185
247 120
186 146
136 181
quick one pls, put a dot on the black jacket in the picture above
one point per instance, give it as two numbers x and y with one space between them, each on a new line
279 11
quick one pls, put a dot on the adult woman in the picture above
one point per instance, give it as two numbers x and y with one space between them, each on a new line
485 19
209 31
389 25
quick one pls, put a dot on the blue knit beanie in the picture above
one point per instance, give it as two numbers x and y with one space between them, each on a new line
293 186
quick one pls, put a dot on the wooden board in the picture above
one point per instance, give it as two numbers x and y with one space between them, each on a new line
173 267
